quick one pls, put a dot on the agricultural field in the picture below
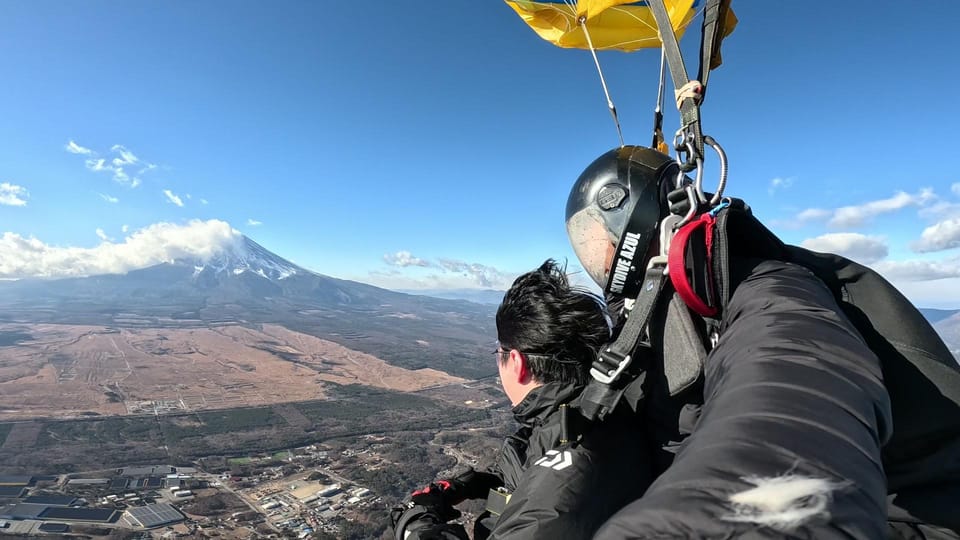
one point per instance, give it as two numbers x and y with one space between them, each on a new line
71 371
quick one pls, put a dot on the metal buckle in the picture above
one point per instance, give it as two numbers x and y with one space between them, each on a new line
668 228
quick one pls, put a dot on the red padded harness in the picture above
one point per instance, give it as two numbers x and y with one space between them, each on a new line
677 267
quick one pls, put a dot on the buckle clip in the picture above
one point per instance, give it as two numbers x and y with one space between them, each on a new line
609 366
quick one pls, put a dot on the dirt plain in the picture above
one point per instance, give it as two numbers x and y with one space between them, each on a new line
66 371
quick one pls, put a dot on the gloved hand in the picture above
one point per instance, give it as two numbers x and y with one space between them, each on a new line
467 485
417 521
439 497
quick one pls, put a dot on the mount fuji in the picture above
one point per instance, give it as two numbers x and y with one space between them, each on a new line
241 282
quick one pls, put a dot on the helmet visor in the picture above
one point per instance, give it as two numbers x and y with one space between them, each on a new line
592 242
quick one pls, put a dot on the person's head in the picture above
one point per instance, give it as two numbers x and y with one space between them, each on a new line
548 331
612 215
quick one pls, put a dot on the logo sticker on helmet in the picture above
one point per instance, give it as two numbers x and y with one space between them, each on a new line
610 196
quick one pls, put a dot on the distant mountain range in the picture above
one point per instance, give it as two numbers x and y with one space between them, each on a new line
947 323
246 283
937 315
479 296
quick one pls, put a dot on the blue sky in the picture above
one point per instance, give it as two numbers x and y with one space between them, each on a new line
411 145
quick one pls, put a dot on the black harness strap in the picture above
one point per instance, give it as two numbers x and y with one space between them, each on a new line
608 382
610 377
714 18
690 95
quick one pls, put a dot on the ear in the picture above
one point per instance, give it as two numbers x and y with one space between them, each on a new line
518 367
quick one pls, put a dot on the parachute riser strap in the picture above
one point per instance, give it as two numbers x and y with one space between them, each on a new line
688 100
714 15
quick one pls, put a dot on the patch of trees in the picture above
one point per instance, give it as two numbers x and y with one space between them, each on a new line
362 529
219 503
66 446
411 465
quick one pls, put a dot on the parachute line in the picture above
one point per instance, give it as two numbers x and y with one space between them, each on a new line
603 81
658 141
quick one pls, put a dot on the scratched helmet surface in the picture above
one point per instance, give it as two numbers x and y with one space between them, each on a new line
613 212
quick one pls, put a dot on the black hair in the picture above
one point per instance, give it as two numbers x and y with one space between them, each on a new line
558 327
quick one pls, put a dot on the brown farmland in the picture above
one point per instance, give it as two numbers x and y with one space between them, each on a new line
68 371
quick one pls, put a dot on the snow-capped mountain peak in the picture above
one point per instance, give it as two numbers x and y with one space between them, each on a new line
248 256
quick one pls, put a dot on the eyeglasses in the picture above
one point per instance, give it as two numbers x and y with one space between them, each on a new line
499 352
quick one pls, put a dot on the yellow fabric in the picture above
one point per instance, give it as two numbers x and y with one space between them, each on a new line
623 25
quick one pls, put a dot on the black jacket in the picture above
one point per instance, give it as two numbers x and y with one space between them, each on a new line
792 396
561 491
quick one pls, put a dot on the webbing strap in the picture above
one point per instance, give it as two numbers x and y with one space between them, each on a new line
688 106
714 15
677 264
690 94
606 385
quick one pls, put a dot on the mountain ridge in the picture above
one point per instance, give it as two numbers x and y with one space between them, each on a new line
248 284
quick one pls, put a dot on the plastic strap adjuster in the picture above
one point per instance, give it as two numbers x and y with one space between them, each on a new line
609 366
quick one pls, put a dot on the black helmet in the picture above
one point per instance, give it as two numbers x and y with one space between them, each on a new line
613 212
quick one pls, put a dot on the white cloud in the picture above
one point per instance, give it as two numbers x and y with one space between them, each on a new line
161 242
941 293
955 189
108 198
102 235
943 235
813 214
858 247
779 183
172 197
254 223
75 148
398 280
204 201
482 275
940 210
13 195
120 176
919 270
117 167
126 156
96 164
124 229
856 215
408 273
403 259
853 216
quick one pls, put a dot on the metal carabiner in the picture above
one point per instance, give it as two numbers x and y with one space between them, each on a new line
722 184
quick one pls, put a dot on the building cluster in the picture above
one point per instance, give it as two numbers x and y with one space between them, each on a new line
131 498
305 506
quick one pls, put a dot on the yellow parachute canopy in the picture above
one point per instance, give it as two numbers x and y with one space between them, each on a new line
624 25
